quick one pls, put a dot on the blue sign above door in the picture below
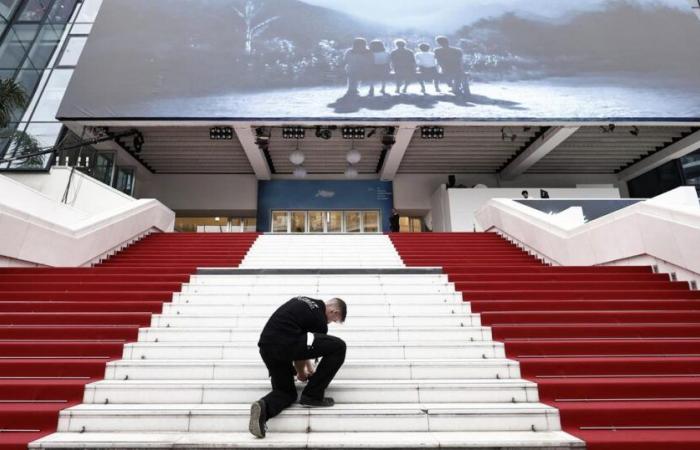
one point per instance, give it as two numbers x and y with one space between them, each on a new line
323 195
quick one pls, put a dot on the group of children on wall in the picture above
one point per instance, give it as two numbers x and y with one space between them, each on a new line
372 64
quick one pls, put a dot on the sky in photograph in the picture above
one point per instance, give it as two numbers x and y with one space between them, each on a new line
449 15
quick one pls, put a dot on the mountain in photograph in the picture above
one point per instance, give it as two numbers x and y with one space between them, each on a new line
625 37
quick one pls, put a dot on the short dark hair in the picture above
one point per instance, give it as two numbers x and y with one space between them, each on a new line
442 40
424 47
341 306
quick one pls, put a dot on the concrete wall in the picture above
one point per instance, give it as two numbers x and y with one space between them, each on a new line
205 194
413 192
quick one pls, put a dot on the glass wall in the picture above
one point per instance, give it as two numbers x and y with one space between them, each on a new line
326 221
30 32
691 169
215 224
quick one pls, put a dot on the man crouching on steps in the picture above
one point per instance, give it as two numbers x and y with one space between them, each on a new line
294 335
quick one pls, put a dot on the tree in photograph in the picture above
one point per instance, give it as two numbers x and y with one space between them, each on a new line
13 98
250 13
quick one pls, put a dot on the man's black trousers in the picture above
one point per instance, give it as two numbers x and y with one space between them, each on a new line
279 362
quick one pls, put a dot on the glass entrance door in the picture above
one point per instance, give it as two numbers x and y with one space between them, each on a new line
326 222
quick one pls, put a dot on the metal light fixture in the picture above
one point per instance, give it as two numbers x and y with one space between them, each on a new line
353 156
297 158
299 172
351 172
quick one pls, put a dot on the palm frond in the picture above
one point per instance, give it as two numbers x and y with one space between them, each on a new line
22 144
12 97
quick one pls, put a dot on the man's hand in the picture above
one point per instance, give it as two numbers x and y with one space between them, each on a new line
304 369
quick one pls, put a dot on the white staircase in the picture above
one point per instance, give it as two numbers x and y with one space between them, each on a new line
319 251
421 372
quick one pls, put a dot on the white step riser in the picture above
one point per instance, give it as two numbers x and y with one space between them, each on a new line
350 299
378 309
236 321
322 280
479 440
368 394
351 337
233 351
312 290
300 421
255 370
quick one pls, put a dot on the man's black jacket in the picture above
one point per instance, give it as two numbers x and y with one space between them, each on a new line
288 326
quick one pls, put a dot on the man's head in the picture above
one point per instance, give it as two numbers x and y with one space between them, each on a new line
400 43
442 41
336 310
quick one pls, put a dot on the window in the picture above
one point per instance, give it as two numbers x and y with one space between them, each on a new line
124 180
30 31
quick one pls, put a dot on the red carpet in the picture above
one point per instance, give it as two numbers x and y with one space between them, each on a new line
60 326
616 349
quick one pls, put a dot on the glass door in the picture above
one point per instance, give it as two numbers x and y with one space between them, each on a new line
326 222
353 222
316 222
298 221
334 221
280 222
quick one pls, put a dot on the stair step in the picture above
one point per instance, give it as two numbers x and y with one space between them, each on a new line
343 391
350 335
476 440
364 350
398 417
208 318
221 306
352 370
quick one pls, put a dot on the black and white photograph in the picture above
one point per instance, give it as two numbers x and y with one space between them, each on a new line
443 59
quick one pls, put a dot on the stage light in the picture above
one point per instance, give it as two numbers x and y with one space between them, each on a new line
138 142
293 133
297 158
432 132
220 133
299 172
607 129
353 132
508 135
351 172
324 133
353 156
634 131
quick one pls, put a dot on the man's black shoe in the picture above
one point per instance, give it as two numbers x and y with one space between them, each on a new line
258 418
316 403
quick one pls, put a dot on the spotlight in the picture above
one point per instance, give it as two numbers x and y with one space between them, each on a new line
297 158
432 132
138 142
634 131
607 129
508 135
351 172
293 133
324 133
544 194
353 132
353 156
220 133
299 172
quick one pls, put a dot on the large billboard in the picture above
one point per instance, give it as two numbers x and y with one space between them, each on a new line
464 60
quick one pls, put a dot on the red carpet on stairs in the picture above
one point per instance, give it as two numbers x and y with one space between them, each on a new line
615 349
60 326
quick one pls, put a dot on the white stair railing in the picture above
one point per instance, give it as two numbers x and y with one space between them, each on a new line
38 229
662 231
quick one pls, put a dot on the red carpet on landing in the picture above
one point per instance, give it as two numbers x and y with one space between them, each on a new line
60 326
616 349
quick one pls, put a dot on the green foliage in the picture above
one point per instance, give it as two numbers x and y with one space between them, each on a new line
13 98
